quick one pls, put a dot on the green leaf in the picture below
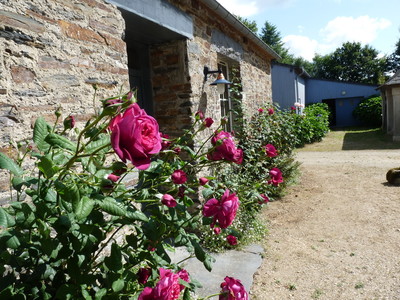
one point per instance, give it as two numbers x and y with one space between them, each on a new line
208 262
6 220
19 182
84 207
114 261
137 216
118 285
112 207
207 193
40 131
47 167
99 144
59 141
8 164
198 251
11 241
100 294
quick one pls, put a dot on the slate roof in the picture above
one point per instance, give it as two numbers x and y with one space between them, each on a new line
394 80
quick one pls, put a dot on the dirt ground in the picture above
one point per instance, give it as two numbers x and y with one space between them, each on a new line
336 235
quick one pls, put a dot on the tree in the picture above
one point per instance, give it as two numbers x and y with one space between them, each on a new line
393 60
351 62
272 37
250 24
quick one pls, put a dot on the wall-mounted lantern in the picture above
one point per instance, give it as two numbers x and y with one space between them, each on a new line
220 82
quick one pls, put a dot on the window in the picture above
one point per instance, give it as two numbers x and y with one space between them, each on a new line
231 100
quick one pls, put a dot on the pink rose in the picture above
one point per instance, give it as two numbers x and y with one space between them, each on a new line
225 148
265 198
203 180
233 289
168 200
184 275
276 176
113 177
231 239
167 288
143 275
217 230
260 110
69 122
199 115
165 142
270 150
135 136
146 294
208 122
271 111
223 211
179 177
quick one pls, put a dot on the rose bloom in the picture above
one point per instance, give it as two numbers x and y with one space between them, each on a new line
265 198
203 181
135 136
168 200
233 289
208 122
184 275
69 122
223 211
271 111
260 110
225 148
179 177
270 150
231 239
143 275
165 142
217 230
167 288
199 114
113 177
276 176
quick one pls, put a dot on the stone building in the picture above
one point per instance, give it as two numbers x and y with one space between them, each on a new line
53 51
390 92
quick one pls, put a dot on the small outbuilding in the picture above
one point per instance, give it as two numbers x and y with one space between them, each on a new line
390 92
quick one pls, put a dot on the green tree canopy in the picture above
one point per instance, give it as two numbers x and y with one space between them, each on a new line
351 62
393 60
251 24
272 37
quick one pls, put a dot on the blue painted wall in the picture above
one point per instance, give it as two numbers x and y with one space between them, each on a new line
283 85
345 96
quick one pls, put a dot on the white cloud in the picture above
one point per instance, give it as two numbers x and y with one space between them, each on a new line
237 7
247 9
363 29
300 45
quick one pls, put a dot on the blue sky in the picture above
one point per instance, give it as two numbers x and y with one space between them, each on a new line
320 26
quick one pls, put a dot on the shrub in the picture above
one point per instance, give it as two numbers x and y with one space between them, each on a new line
74 229
369 111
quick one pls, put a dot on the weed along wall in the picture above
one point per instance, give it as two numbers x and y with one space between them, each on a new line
52 52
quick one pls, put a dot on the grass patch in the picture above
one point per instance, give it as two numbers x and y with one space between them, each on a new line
353 138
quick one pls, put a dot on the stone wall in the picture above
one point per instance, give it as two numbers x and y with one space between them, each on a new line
253 61
51 53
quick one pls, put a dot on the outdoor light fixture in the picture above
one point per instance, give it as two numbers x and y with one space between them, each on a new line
220 82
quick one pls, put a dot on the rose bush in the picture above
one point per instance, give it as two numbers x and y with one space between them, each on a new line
77 227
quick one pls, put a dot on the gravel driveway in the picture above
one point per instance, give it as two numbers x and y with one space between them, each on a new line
336 235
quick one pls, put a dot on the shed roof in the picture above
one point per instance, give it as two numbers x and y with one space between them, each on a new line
231 19
394 80
300 71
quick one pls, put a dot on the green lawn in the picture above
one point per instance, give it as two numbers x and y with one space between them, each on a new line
353 138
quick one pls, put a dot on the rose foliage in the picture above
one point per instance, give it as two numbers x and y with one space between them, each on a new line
93 210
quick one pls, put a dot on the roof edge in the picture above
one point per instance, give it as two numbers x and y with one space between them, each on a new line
225 14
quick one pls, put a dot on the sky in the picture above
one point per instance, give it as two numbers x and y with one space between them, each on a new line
308 27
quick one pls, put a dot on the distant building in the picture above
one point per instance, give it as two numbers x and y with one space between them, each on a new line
293 86
390 92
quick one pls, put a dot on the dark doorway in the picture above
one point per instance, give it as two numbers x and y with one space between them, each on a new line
332 108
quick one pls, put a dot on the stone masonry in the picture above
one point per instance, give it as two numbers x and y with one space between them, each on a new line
52 52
